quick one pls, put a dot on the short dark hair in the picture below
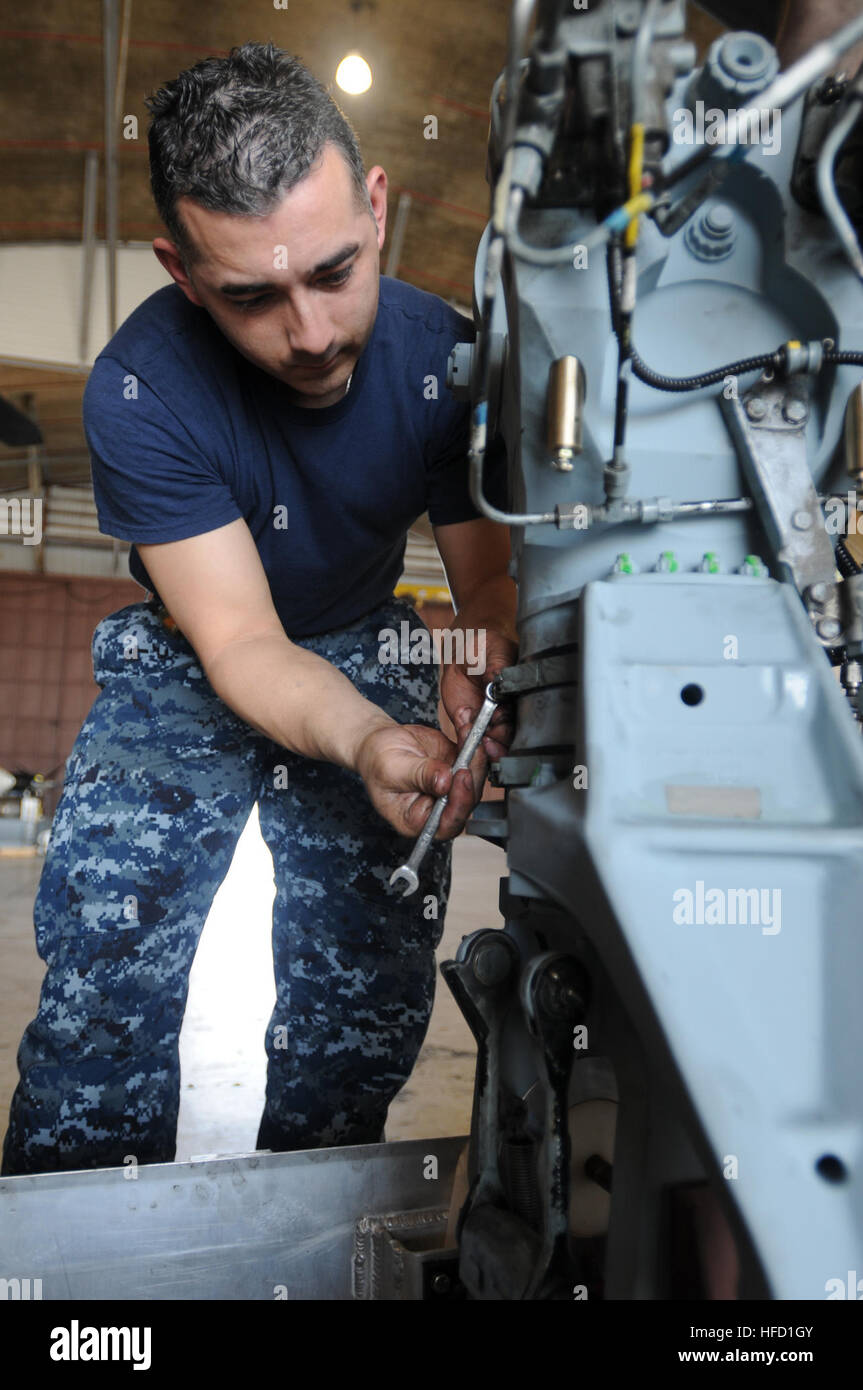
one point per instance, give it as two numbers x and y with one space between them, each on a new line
237 133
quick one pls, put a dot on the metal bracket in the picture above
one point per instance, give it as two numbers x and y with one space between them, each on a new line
768 426
554 991
483 979
501 1255
535 675
401 1256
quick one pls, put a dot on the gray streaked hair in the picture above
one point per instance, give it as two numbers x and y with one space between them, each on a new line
236 133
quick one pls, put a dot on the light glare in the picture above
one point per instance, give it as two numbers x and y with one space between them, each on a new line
353 74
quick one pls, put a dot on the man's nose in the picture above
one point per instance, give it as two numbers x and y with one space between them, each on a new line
309 333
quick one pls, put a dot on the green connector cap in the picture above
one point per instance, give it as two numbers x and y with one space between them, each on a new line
710 563
754 565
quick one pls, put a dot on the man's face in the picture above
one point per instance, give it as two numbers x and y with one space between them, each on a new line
296 292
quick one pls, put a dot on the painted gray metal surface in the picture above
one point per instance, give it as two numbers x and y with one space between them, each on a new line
760 1013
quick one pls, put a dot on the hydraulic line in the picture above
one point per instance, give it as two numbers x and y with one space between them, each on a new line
519 24
833 209
772 360
622 270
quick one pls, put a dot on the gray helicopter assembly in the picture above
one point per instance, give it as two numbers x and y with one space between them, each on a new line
669 344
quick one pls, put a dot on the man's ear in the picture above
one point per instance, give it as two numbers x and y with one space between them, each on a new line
376 183
171 259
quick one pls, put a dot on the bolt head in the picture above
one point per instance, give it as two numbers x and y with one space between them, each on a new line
802 521
828 628
491 963
719 220
794 411
756 409
559 993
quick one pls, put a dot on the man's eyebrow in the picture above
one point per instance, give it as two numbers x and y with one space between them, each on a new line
329 264
332 261
245 289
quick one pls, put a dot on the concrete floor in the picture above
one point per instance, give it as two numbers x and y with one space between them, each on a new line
231 997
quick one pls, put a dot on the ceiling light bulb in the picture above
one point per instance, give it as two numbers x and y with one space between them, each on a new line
353 74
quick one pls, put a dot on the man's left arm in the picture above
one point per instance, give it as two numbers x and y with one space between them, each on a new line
475 555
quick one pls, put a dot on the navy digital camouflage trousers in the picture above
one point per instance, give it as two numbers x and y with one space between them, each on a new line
159 785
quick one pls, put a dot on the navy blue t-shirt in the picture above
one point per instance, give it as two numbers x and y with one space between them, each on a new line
187 435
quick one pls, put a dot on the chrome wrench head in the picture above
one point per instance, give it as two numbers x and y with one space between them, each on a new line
404 874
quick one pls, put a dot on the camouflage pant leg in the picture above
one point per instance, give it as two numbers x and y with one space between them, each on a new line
160 783
354 961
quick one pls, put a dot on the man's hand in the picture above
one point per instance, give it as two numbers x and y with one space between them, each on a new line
463 692
405 767
476 557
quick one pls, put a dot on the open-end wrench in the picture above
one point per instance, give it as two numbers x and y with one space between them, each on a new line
407 873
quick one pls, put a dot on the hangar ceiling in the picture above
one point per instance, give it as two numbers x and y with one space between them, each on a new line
436 59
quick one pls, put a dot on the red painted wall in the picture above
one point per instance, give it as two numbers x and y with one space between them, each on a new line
46 676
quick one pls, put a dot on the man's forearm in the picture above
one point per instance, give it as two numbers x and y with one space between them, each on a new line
491 606
296 698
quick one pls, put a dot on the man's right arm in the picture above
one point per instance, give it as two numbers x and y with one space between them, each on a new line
216 590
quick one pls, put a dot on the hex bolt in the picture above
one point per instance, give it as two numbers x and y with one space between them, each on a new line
491 963
794 410
711 236
756 409
828 628
802 520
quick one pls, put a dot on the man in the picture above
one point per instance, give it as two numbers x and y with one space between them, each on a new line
264 431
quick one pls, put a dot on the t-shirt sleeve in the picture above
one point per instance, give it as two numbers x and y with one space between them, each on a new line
448 467
151 481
